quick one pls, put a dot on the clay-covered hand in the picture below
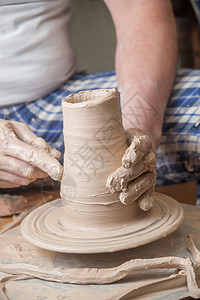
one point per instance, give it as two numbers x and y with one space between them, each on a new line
24 157
136 178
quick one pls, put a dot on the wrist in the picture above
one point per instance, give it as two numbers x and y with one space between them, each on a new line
143 104
142 109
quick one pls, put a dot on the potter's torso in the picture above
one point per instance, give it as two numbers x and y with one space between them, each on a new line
35 52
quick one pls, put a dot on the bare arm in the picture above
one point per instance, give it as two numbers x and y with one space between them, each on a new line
145 61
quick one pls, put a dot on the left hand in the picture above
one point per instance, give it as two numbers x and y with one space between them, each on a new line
136 178
24 157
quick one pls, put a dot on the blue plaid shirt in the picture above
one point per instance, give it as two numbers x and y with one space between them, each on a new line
178 156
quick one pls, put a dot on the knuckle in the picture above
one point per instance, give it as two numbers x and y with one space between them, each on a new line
25 181
29 172
40 142
24 125
150 158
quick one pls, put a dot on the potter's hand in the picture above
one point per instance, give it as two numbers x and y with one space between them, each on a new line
137 176
24 157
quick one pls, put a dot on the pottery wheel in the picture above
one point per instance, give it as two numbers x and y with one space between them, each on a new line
163 219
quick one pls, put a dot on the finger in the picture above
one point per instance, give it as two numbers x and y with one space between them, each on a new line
131 133
20 168
150 158
25 134
7 185
40 143
138 187
146 201
55 153
136 151
34 156
6 130
14 180
37 173
118 180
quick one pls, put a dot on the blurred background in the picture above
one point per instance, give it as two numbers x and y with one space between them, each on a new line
94 41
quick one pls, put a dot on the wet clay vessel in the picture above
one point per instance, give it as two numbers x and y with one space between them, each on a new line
88 218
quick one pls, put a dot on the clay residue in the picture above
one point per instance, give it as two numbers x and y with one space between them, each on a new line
37 158
108 275
137 176
146 201
140 185
18 218
118 180
11 204
140 145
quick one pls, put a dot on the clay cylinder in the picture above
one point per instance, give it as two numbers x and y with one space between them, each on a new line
94 145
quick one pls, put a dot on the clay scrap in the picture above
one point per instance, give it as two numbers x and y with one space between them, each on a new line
11 204
18 219
185 266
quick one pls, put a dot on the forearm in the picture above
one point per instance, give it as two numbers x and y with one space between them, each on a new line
145 61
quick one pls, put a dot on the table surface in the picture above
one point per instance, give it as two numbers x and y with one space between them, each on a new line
14 249
33 198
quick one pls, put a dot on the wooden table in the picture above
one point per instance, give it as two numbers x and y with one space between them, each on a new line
34 197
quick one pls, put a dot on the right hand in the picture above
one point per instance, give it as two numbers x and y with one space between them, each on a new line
24 157
136 178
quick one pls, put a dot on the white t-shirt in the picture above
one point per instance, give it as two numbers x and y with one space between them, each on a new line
35 52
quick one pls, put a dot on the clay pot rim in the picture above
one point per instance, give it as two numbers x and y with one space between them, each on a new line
90 98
